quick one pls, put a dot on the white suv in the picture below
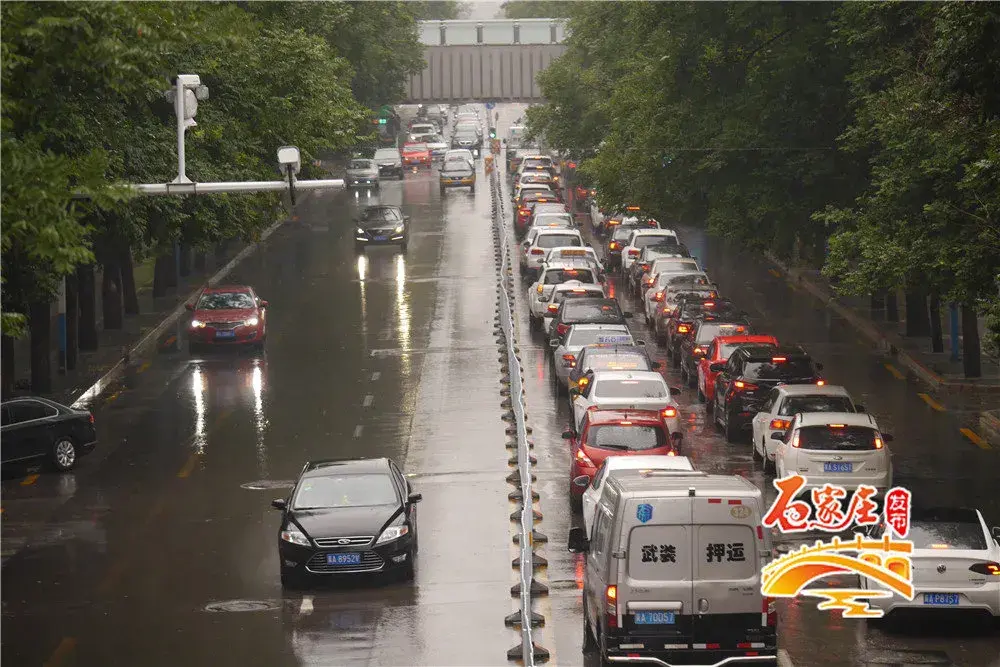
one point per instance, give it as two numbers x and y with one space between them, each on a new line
641 238
842 448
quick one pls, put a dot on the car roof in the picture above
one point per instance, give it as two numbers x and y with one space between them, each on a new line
560 263
814 390
327 467
591 302
226 288
628 375
673 483
613 416
557 230
648 462
845 418
587 326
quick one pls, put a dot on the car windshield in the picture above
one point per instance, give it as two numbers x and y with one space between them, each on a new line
554 220
380 214
363 490
793 369
361 164
617 362
457 165
386 154
708 331
598 313
580 337
557 240
559 297
414 148
625 437
795 404
947 535
225 301
630 389
837 438
672 265
621 233
431 138
558 276
649 240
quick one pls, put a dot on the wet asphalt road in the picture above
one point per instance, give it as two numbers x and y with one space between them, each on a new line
391 355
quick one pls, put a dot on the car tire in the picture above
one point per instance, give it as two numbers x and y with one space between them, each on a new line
731 432
64 454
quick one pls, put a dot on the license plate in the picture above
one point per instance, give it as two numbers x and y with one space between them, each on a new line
654 618
343 559
573 253
225 334
381 238
831 466
614 339
941 598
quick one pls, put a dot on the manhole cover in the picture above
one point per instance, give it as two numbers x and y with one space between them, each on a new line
242 605
560 584
265 484
906 658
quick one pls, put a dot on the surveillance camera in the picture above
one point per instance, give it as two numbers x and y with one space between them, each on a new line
289 159
189 80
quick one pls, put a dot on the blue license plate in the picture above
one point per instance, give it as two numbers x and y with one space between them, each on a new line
614 339
381 238
838 467
941 598
225 334
343 559
654 618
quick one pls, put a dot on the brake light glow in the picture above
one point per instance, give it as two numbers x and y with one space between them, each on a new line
795 440
986 568
740 384
780 424
648 282
625 423
631 208
740 329
633 253
583 382
836 425
582 457
698 350
878 442
668 412
671 453
537 251
683 328
658 296
569 360
820 383
611 605
579 291
778 359
553 307
613 245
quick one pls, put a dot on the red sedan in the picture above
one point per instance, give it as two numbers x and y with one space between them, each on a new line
230 315
416 155
721 348
605 433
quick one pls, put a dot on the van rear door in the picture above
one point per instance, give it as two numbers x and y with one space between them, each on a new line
655 595
728 547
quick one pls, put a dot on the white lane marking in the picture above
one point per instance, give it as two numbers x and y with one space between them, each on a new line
369 399
306 607
376 375
357 430
783 659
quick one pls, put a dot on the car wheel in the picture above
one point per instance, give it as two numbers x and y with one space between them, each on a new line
731 432
589 641
64 454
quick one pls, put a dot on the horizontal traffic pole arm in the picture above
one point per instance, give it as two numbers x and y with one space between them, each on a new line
232 186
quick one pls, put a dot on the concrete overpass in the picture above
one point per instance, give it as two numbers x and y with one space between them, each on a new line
485 60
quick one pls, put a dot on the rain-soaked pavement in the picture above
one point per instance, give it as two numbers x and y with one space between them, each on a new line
161 548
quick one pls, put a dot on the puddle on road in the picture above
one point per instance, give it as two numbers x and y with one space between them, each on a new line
243 605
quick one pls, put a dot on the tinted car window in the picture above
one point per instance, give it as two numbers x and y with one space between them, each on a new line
345 491
728 348
954 534
557 276
361 164
558 240
592 336
634 438
22 411
559 297
795 404
842 438
618 362
386 154
709 330
792 369
598 313
553 219
630 389
225 301
644 241
381 215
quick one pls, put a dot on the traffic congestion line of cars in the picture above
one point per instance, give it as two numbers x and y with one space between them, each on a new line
689 541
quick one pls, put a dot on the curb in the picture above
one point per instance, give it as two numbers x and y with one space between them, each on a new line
989 426
783 659
885 343
152 336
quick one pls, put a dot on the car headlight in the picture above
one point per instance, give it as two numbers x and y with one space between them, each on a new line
251 322
399 229
293 536
360 231
197 324
392 533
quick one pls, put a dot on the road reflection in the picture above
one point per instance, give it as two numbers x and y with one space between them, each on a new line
198 392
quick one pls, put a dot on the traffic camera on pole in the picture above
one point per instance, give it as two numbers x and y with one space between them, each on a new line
185 95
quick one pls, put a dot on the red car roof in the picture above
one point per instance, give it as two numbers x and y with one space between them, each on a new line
641 417
754 338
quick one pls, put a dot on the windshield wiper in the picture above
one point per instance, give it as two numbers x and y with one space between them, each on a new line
612 446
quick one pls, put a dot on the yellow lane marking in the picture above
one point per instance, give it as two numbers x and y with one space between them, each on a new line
974 437
113 396
29 480
144 367
792 286
774 272
895 372
189 467
170 341
931 402
62 652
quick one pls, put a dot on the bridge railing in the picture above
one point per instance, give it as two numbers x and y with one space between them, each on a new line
494 32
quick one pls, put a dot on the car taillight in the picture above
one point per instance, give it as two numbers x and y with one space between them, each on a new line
698 350
648 282
537 251
90 416
613 245
523 211
582 382
611 605
668 412
769 612
553 307
584 459
748 386
820 382
683 328
633 253
877 442
780 424
562 329
989 568
644 267
658 296
795 440
569 360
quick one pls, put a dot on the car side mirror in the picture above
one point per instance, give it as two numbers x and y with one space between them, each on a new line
888 437
414 498
583 481
189 306
859 407
554 343
264 304
656 365
568 434
675 391
777 436
819 367
628 315
406 218
578 542
996 532
717 367
279 504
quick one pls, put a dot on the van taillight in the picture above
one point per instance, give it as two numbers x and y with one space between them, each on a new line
91 416
562 329
768 613
611 605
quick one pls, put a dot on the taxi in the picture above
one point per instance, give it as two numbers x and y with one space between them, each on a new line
556 272
631 215
536 246
574 289
526 202
609 357
573 252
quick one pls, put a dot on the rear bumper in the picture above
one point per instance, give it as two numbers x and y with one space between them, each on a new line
698 659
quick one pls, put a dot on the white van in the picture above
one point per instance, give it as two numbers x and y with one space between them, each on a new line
672 572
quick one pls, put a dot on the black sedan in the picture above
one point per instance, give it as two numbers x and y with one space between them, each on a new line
36 428
347 517
381 225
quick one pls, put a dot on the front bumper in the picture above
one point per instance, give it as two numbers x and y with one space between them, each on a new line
417 162
457 182
362 182
311 561
389 239
395 170
242 335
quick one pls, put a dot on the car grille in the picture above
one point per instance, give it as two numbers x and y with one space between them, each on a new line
355 541
370 562
224 325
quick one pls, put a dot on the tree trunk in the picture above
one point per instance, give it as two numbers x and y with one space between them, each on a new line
877 306
88 307
129 298
891 307
937 336
111 295
200 261
7 370
185 251
221 248
170 267
40 325
917 321
160 276
971 353
72 321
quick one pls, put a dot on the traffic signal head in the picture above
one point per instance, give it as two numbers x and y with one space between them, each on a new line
493 133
